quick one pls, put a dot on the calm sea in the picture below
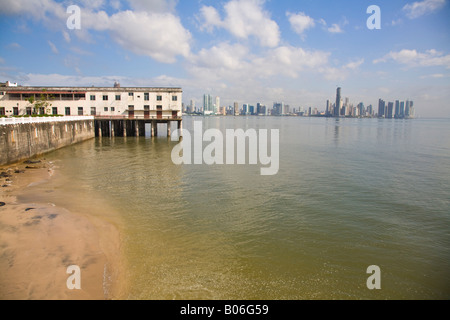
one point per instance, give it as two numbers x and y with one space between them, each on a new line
350 193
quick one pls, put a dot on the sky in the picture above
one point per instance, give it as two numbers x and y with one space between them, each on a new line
247 51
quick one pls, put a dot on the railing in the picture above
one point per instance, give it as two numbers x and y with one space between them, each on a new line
22 120
137 118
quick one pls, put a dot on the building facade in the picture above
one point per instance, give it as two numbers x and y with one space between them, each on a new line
132 102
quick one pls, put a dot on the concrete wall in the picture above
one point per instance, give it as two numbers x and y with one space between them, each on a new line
22 141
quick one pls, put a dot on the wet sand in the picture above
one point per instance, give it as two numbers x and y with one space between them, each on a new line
40 239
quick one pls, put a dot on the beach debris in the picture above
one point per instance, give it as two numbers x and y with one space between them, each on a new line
5 186
19 171
4 174
32 161
2 204
28 209
31 167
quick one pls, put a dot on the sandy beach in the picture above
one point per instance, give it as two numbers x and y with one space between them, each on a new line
42 234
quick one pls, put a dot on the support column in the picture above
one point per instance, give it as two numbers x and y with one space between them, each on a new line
136 128
125 123
168 128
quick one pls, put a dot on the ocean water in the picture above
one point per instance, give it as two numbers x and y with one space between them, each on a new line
349 194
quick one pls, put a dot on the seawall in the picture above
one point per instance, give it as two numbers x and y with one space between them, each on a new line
19 141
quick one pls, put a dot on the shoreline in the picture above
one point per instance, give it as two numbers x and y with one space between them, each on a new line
42 234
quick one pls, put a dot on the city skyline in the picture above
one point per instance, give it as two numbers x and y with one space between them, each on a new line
243 50
404 109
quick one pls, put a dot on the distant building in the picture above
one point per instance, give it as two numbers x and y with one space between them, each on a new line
381 108
236 108
390 111
338 105
208 106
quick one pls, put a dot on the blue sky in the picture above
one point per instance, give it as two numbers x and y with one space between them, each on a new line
249 51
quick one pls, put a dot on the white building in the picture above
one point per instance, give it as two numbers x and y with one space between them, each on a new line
133 102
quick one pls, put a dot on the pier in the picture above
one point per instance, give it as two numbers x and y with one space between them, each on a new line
132 126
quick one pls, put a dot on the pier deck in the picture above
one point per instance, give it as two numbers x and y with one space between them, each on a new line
131 127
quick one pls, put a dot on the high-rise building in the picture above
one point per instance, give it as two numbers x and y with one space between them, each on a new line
381 108
217 105
337 107
236 108
402 109
390 110
407 109
397 109
328 111
278 109
208 107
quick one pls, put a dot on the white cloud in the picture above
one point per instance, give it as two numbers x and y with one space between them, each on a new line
340 73
2 61
66 36
412 58
291 61
158 35
221 57
152 30
244 19
53 47
335 28
420 8
153 6
14 46
300 22
211 18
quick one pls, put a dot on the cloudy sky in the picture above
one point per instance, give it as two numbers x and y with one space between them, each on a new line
249 51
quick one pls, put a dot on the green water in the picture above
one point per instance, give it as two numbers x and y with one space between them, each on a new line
350 193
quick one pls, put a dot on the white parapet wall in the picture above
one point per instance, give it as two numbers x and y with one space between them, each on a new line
23 120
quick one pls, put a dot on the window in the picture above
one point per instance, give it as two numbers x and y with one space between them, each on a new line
2 93
131 94
93 111
105 98
92 98
174 98
118 97
80 111
159 108
15 111
106 109
146 96
113 109
146 108
2 111
54 111
67 111
158 98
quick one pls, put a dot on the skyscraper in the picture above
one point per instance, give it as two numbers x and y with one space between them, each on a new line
402 109
236 108
390 110
208 107
381 108
217 105
337 107
397 109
